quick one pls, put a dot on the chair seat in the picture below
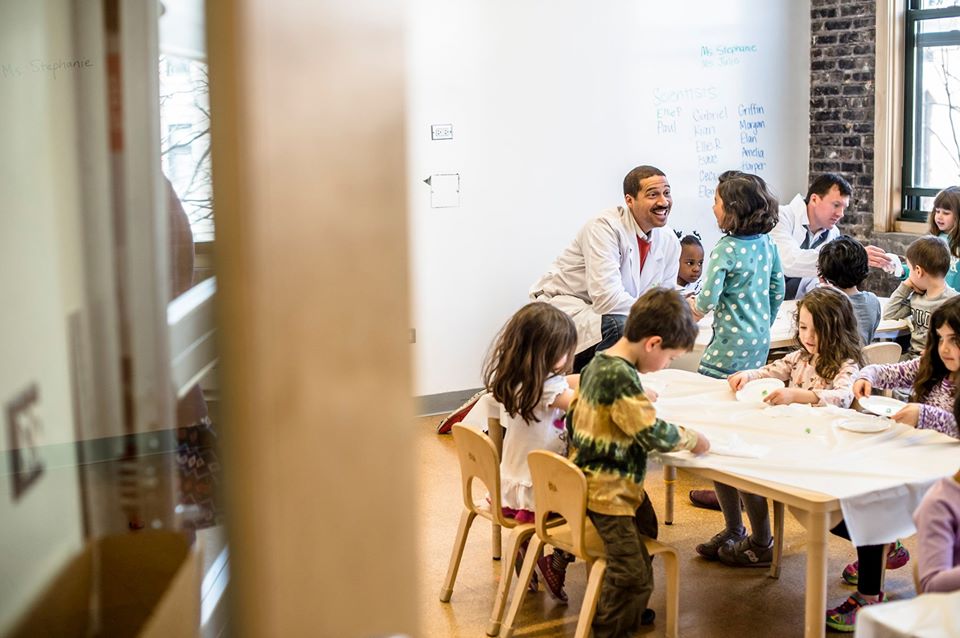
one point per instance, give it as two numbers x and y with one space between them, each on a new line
560 537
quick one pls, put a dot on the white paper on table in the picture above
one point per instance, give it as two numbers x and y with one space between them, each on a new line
733 445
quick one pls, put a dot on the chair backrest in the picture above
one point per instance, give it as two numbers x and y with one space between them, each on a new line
559 487
884 352
478 460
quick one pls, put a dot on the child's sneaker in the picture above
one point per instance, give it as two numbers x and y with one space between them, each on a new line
897 557
710 549
552 578
746 553
844 616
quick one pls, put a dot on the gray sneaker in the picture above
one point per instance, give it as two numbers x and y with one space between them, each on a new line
710 550
745 553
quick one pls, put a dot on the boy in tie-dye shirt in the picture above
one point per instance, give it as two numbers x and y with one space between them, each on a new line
612 426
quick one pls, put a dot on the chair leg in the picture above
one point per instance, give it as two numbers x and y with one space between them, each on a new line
669 484
497 533
514 541
883 566
466 519
534 551
777 540
590 597
671 565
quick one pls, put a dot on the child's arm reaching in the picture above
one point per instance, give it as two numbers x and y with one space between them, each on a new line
899 305
636 417
779 369
888 376
934 418
840 392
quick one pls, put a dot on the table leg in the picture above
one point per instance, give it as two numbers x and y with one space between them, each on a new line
669 483
816 602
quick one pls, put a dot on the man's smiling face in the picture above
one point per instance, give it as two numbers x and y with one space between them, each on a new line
652 203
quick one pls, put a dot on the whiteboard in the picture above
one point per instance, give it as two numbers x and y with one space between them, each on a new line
550 105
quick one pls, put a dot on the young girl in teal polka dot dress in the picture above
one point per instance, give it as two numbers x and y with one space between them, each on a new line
743 282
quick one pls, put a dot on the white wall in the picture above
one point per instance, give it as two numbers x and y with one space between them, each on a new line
551 104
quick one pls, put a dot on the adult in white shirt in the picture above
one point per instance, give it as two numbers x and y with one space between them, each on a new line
807 224
615 258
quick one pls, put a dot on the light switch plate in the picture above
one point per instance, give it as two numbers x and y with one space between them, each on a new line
441 131
24 436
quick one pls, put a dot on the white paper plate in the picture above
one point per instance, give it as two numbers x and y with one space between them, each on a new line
864 424
882 406
756 391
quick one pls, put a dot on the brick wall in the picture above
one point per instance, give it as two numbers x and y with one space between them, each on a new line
842 91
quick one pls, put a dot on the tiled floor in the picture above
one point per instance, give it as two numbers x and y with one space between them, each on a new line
715 601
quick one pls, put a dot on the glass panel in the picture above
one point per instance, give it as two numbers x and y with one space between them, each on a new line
939 25
937 145
185 138
938 4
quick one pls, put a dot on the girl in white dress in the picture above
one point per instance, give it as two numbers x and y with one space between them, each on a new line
525 372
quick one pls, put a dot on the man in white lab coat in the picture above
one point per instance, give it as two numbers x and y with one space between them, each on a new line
807 224
614 259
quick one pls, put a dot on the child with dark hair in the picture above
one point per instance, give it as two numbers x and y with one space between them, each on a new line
932 380
612 427
819 372
691 265
743 282
924 291
842 263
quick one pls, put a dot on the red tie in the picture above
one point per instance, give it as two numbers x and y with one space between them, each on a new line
644 247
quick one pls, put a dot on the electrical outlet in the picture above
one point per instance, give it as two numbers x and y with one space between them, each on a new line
24 435
441 132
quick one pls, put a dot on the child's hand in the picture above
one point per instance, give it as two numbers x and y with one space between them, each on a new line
737 380
862 388
692 302
781 396
702 444
652 395
908 415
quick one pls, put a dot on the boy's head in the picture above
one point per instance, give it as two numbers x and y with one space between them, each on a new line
660 327
929 260
843 263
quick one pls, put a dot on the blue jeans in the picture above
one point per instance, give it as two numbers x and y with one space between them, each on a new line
611 329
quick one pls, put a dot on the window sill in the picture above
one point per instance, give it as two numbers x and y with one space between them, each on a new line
915 228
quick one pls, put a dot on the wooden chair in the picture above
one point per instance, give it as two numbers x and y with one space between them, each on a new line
559 487
882 352
479 460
